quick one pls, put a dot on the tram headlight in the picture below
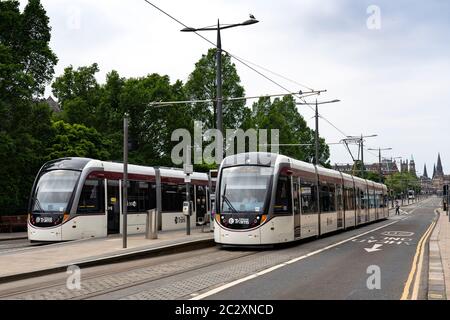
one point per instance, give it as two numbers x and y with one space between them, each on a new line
66 217
263 218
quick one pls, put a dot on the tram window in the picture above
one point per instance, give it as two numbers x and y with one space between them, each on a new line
171 199
141 196
328 198
380 200
308 196
173 196
364 199
349 199
91 199
152 200
283 199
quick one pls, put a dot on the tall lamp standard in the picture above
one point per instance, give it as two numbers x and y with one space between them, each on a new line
316 136
219 111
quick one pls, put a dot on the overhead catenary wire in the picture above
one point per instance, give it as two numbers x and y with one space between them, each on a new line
169 103
247 64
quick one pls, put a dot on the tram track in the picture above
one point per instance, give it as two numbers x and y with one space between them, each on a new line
58 285
14 245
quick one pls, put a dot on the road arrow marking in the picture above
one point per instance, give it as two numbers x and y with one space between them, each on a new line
374 248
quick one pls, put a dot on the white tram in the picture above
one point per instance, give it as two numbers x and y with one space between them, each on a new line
76 198
265 199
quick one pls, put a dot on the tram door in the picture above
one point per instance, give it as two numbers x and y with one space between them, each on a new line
340 206
296 207
358 205
113 207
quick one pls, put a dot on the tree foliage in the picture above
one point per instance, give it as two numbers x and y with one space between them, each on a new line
202 86
26 67
296 138
400 182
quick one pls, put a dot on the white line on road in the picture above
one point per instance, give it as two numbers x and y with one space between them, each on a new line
253 276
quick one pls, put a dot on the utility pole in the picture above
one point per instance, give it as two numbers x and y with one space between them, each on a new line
316 134
219 80
360 140
125 180
219 98
188 170
316 138
362 157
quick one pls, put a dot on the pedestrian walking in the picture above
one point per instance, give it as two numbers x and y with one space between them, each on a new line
397 207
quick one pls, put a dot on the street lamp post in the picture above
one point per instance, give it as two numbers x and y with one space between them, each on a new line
316 134
125 181
219 110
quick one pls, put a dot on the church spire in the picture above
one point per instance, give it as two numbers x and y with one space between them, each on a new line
439 170
434 171
425 173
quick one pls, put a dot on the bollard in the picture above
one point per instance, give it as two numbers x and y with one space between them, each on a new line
151 225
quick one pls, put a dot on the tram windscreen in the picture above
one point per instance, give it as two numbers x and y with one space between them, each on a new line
244 189
53 191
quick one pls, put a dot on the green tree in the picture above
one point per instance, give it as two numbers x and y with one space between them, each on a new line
26 66
201 85
77 141
36 56
28 36
151 127
78 93
399 183
282 114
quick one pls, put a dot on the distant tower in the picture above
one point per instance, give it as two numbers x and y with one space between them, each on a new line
425 173
434 171
404 166
439 170
412 166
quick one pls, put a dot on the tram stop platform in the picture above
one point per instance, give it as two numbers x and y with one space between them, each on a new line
46 259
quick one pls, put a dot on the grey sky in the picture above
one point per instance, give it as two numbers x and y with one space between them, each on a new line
393 81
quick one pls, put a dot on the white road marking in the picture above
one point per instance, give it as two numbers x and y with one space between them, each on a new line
398 233
253 276
376 247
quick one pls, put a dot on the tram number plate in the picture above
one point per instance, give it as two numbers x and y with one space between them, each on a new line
44 220
244 221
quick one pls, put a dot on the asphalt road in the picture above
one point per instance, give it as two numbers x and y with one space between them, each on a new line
342 272
332 267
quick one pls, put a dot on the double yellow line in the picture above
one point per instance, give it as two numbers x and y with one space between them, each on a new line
417 266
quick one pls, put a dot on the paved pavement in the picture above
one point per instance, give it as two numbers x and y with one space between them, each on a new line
439 275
